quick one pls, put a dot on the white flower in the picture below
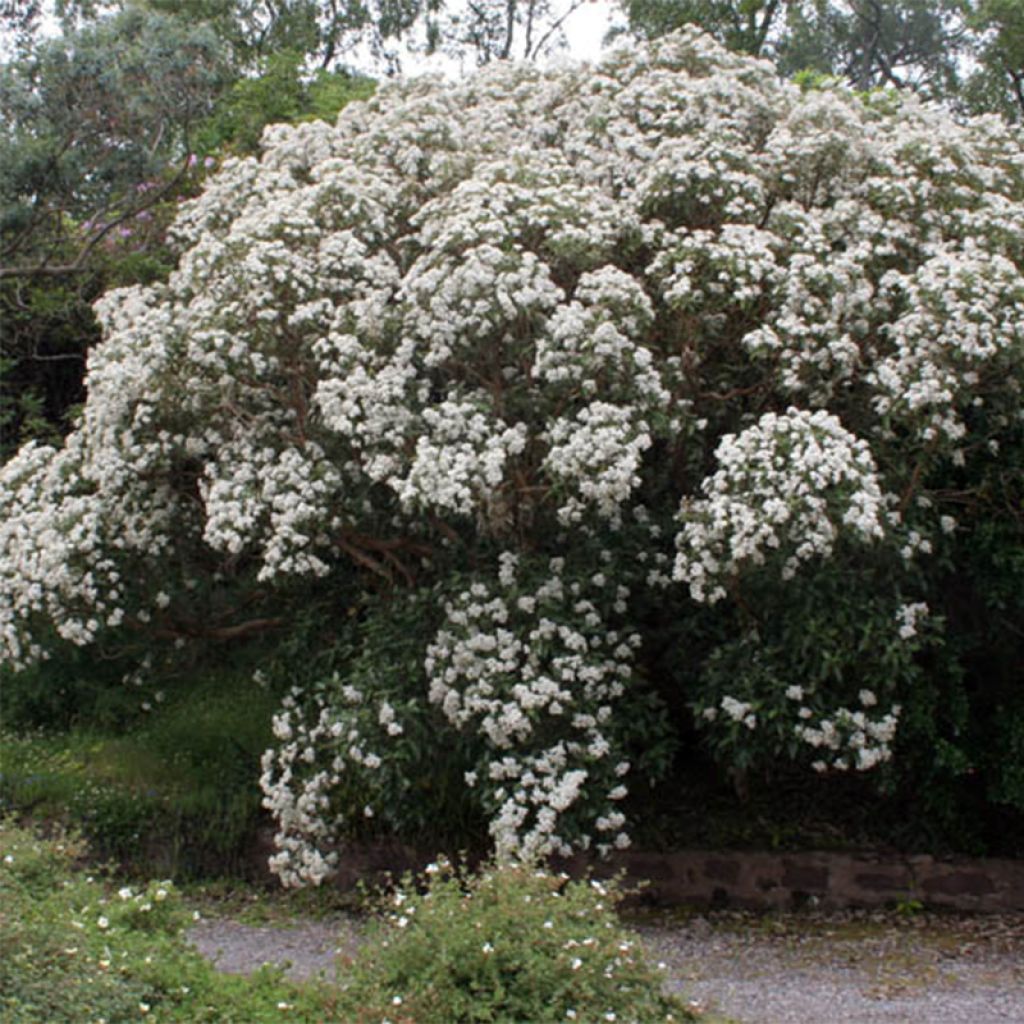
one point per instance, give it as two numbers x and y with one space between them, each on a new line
908 616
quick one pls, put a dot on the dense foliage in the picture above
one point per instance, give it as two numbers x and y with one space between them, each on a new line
558 415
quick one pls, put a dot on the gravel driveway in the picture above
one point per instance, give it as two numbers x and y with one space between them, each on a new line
787 969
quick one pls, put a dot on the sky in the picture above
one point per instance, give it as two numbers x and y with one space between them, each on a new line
586 28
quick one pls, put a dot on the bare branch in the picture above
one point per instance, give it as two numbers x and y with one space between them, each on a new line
575 5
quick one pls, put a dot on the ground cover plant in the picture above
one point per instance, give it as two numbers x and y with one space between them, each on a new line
80 947
556 420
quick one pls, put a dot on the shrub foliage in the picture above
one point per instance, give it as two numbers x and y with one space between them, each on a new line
509 943
577 409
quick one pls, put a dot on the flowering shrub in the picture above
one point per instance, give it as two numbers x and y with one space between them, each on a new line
510 943
629 366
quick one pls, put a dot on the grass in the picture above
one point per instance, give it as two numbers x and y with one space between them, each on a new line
173 791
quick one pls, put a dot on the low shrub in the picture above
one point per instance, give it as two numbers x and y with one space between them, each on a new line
509 943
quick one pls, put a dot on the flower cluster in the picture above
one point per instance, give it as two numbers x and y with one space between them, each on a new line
790 484
322 744
850 739
537 671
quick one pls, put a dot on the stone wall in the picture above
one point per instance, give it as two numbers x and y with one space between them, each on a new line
755 880
763 881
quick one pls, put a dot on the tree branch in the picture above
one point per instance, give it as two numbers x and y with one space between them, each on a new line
78 265
574 6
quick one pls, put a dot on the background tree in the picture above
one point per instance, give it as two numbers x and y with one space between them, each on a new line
872 43
95 135
998 81
742 25
488 30
327 33
87 120
967 52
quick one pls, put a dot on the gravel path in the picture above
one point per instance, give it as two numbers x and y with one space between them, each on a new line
799 969
308 948
847 968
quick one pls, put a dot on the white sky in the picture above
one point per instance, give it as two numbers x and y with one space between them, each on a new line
586 28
